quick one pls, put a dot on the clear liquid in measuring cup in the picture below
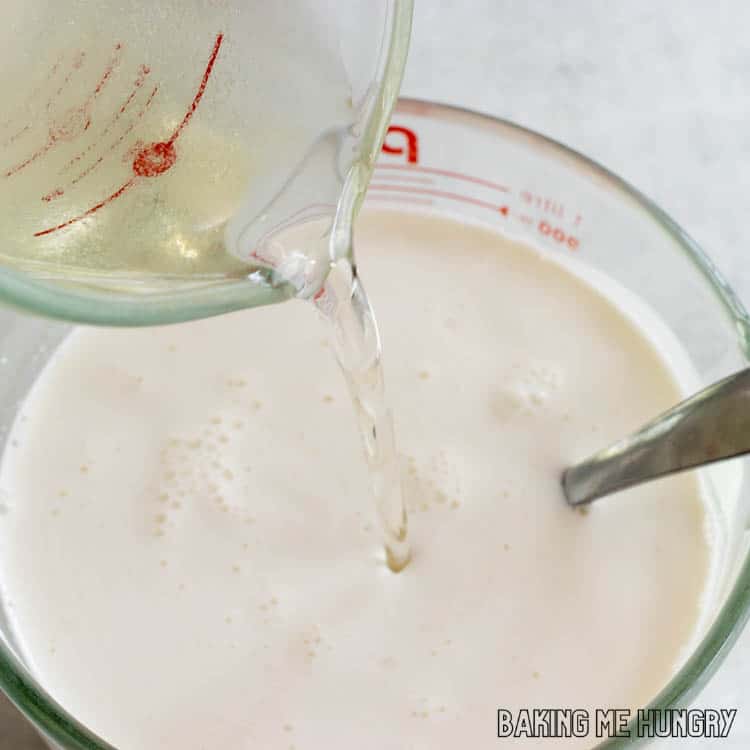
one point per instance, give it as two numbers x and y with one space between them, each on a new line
154 148
144 146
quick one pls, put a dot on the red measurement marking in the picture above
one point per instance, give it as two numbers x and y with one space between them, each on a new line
154 159
85 172
29 160
409 178
143 73
91 211
71 125
51 196
201 89
401 199
74 121
548 205
136 119
117 143
16 135
412 143
447 173
443 194
107 72
76 65
558 234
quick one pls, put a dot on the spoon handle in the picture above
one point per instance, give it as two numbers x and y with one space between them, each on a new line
712 425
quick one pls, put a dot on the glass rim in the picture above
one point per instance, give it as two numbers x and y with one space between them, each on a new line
706 657
734 613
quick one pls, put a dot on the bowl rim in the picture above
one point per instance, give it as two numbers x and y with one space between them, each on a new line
52 720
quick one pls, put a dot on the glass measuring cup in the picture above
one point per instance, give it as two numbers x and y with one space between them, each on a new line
458 163
450 161
152 154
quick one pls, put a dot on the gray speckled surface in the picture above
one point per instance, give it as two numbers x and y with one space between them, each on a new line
657 91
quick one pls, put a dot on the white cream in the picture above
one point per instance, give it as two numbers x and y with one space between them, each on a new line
190 558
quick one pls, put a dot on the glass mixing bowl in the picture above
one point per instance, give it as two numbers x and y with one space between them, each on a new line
450 161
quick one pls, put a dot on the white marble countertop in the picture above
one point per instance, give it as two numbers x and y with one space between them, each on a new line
657 91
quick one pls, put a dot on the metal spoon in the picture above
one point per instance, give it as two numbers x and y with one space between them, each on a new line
712 425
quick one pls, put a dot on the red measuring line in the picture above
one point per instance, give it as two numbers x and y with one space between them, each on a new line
411 178
10 141
201 89
156 158
442 194
77 65
107 73
121 138
29 160
76 120
143 73
59 192
414 201
445 173
91 211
